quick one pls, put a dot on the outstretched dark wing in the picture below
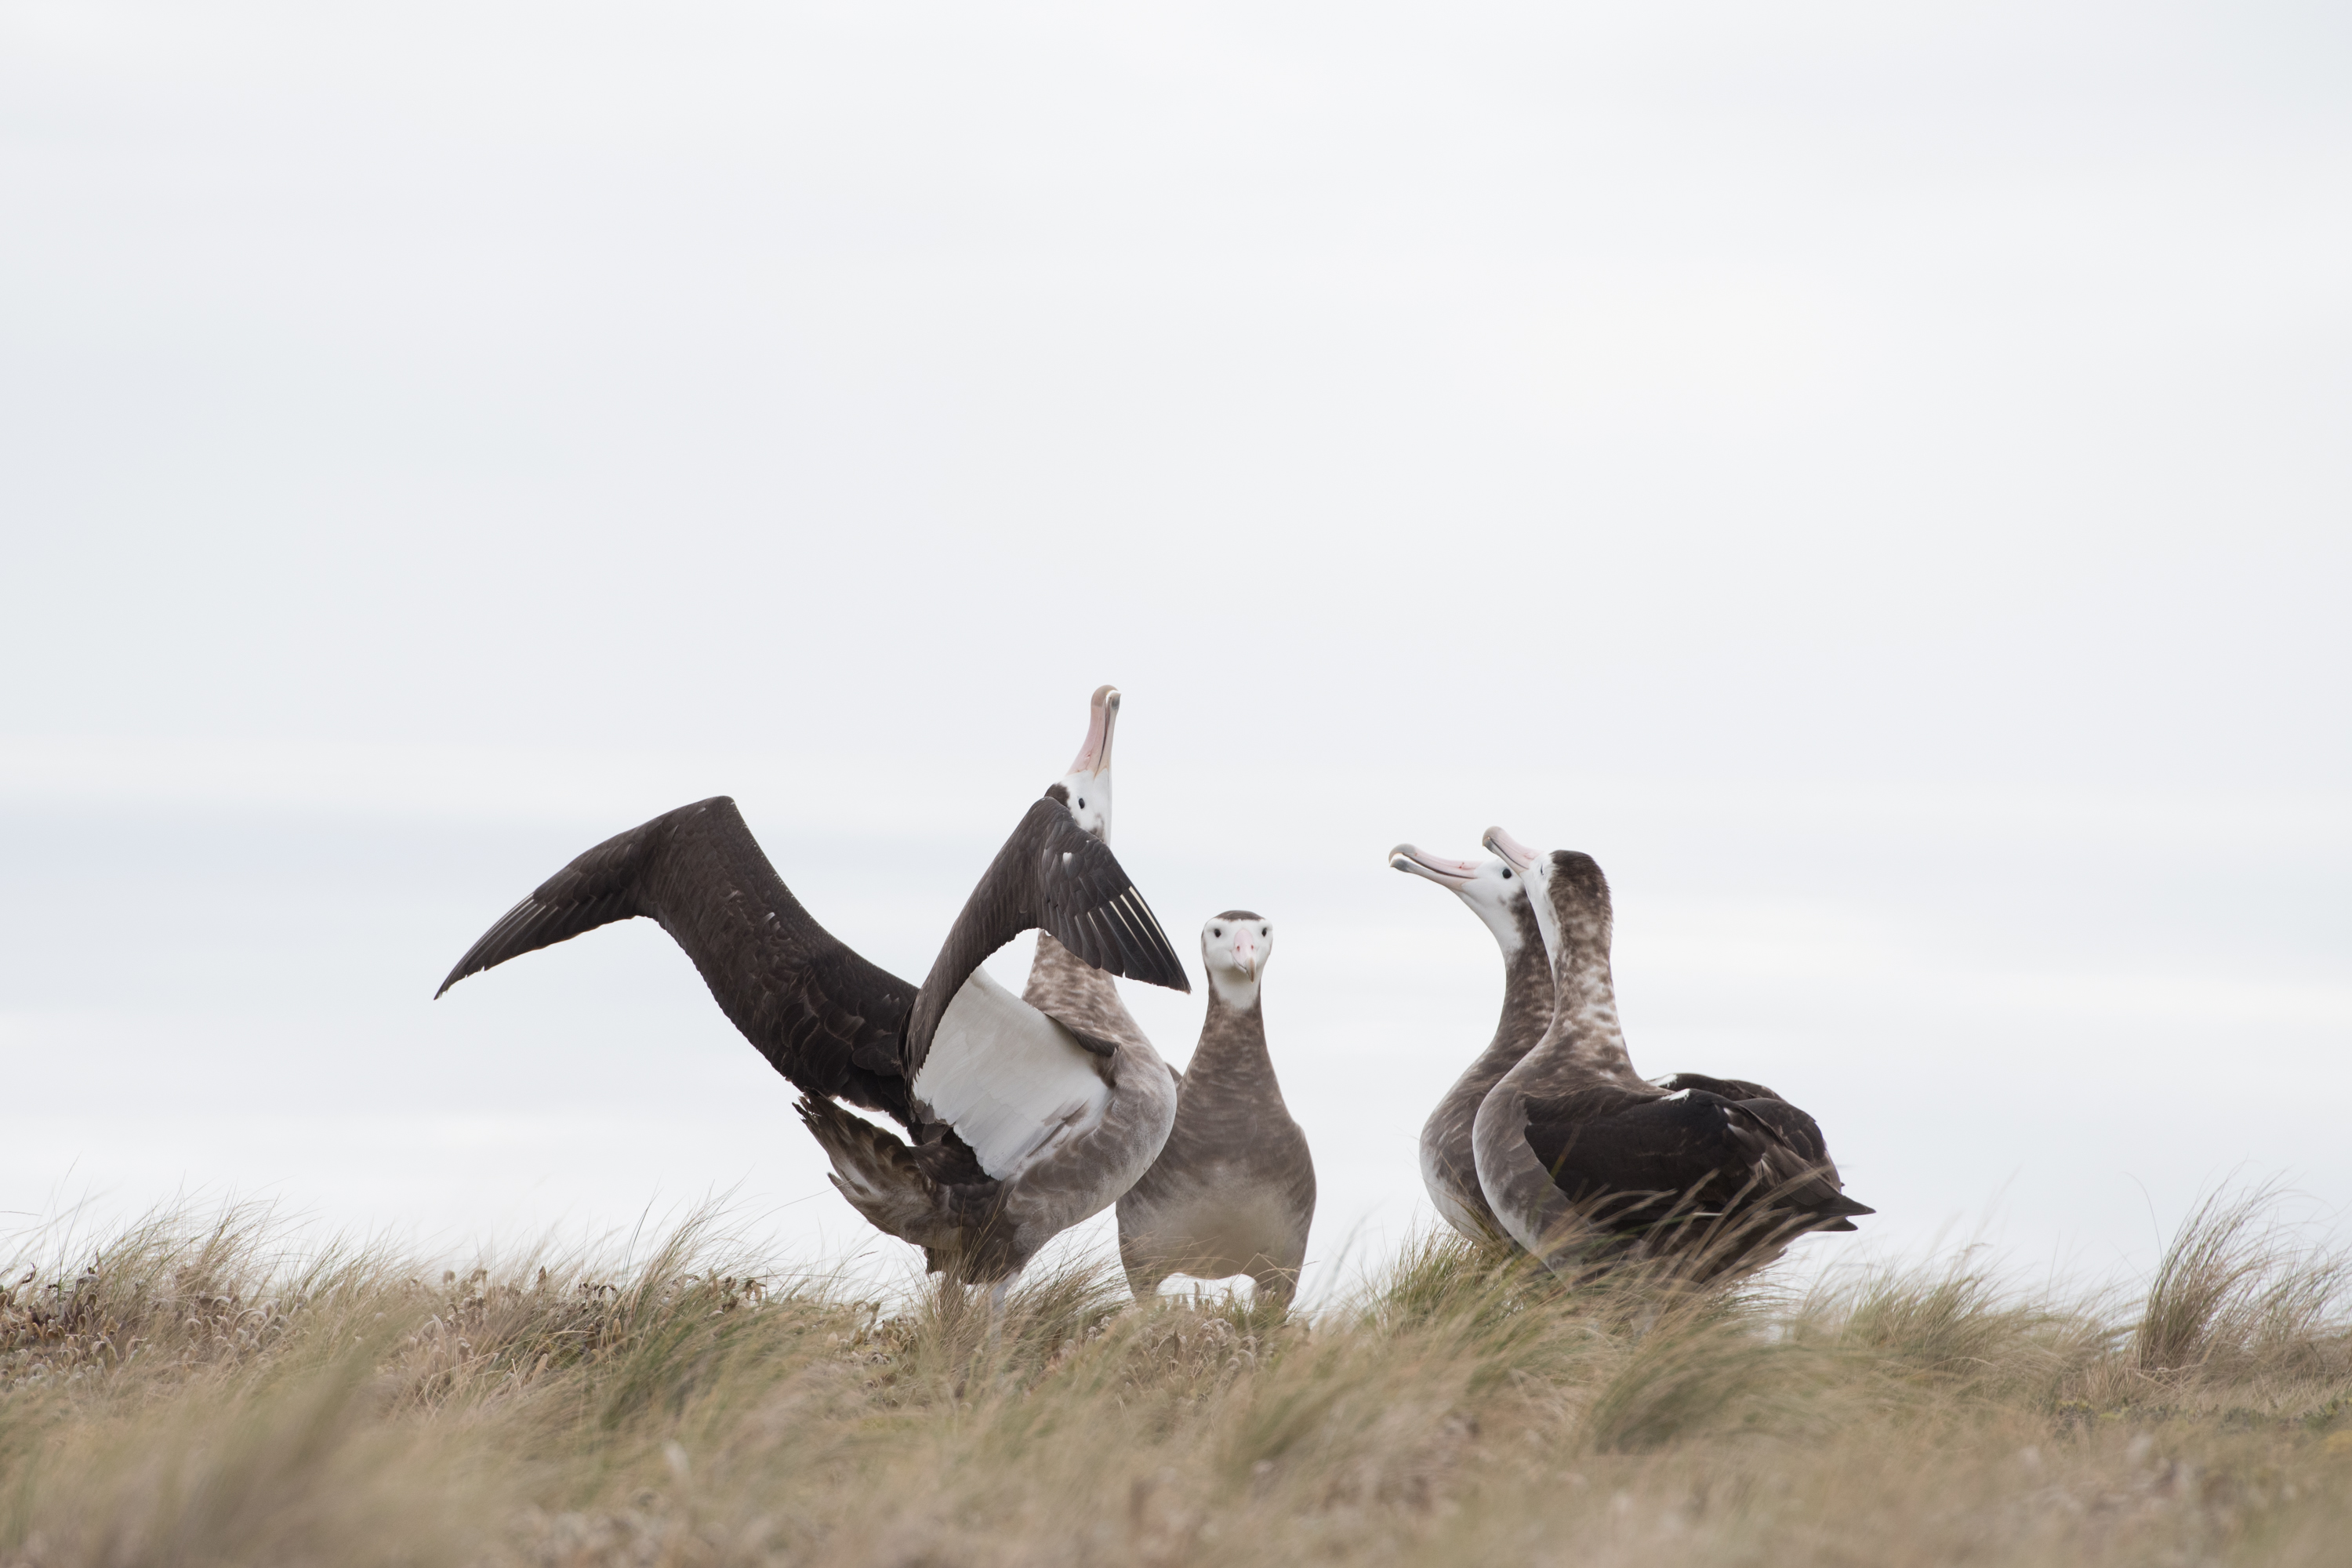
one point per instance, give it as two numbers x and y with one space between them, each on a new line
1051 875
823 1017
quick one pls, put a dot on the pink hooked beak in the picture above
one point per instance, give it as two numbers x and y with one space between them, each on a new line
1245 953
1094 757
1436 867
1517 855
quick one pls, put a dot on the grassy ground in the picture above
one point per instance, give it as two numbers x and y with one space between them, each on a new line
179 1397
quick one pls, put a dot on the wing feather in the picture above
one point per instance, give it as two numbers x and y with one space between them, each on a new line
825 1017
1012 1082
1641 1152
1051 875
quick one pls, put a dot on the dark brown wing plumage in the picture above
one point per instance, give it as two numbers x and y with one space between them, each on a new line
825 1017
1788 1124
1051 875
1730 1088
1632 1155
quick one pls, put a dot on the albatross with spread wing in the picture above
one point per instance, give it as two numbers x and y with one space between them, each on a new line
1025 1120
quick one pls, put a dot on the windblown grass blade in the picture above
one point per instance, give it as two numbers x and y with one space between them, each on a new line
199 1391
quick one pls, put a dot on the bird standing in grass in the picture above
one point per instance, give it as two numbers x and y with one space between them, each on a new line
1234 1189
1498 895
1588 1163
1023 1121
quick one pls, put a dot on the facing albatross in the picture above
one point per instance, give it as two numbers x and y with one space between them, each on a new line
1234 1190
1497 896
1585 1163
1024 1123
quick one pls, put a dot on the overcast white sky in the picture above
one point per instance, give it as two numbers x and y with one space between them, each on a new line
1876 476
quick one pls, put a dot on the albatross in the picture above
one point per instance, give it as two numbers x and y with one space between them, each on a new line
1234 1190
1498 895
1061 984
1024 1123
1585 1163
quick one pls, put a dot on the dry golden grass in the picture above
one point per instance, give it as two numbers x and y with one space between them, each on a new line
183 1395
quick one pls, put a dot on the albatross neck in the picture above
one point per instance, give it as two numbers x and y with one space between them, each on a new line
1584 1034
1233 1042
1526 992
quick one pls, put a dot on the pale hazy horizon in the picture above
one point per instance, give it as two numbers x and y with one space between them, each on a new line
1874 480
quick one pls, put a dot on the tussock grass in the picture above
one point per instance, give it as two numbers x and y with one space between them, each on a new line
194 1392
2239 1290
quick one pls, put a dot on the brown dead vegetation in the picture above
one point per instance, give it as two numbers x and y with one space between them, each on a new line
184 1395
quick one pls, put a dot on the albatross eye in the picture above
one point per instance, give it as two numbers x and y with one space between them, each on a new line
1506 873
1082 803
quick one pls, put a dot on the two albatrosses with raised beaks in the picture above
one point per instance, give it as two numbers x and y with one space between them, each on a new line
1587 1164
1498 895
1027 1115
1234 1190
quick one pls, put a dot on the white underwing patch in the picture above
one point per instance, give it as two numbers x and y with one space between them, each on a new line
1010 1081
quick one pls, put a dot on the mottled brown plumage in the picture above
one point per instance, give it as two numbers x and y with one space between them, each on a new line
1449 1165
1588 1164
1078 997
1233 1192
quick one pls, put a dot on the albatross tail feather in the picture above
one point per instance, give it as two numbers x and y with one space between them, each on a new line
875 1171
931 1194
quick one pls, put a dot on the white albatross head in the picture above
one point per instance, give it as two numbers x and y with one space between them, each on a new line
1563 886
1235 947
1086 788
1491 888
1534 867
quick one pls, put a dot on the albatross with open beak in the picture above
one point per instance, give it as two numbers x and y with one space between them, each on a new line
1498 895
1234 1190
1585 1162
1024 1123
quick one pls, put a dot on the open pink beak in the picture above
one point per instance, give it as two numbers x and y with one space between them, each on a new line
1094 757
1515 855
1436 867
